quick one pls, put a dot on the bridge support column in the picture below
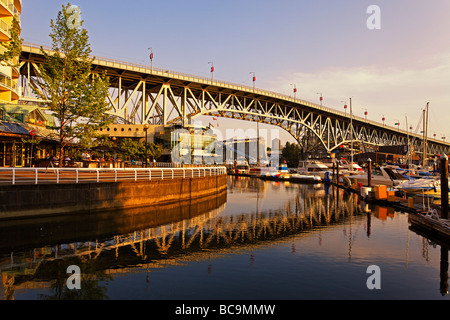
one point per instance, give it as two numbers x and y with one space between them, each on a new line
144 102
165 114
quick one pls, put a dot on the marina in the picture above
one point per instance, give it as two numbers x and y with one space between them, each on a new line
421 196
265 240
296 179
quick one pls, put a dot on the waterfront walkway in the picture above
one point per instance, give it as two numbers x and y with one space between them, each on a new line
27 176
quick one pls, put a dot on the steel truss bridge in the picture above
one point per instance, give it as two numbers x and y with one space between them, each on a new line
145 95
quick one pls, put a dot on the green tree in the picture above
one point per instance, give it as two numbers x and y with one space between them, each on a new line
132 148
76 97
154 150
291 153
14 46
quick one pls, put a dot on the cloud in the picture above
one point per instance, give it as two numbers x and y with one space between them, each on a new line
390 91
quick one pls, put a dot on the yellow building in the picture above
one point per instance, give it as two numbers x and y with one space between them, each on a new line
9 70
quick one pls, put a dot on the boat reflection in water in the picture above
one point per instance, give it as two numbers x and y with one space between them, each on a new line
175 247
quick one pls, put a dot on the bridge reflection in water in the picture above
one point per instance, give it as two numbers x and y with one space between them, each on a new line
38 252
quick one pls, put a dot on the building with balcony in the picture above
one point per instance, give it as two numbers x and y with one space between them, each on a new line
9 69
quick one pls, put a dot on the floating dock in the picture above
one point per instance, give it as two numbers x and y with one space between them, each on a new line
421 213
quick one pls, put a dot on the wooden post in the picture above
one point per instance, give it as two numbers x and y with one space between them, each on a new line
337 172
444 186
334 176
369 172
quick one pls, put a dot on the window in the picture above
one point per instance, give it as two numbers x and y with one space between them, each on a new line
18 116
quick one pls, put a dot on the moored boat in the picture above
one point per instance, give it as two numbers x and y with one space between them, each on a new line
314 168
280 172
242 170
380 176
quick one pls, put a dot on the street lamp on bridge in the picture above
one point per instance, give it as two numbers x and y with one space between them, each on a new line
295 90
254 80
365 113
345 107
151 58
212 70
321 98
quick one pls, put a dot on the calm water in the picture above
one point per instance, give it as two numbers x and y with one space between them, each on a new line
260 240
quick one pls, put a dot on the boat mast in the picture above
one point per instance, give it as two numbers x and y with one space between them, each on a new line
351 133
409 154
257 144
425 135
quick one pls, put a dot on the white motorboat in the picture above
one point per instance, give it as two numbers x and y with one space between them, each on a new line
352 167
305 178
345 167
382 176
423 185
313 168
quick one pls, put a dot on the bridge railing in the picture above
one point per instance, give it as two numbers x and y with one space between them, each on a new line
27 176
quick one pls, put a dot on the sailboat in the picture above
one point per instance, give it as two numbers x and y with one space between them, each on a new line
421 183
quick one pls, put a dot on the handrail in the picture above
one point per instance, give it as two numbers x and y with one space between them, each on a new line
28 176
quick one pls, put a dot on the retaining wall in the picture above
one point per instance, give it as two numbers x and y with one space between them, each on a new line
52 199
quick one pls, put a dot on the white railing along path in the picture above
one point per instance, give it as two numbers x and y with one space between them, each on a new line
24 176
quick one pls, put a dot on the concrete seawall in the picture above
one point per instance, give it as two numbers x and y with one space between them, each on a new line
53 199
68 228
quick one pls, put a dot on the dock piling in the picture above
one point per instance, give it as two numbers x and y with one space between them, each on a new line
369 172
337 172
334 174
444 186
